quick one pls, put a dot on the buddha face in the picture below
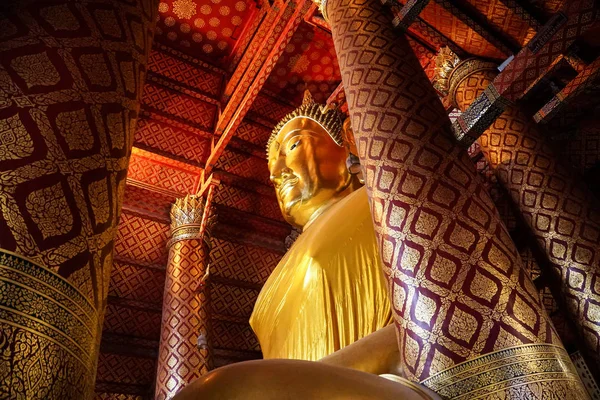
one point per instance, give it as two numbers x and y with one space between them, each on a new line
308 170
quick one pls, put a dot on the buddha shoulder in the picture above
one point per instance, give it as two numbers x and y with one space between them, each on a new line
345 224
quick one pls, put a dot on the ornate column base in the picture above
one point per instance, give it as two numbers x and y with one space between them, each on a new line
531 372
47 334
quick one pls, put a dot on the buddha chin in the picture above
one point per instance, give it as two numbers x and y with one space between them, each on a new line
290 196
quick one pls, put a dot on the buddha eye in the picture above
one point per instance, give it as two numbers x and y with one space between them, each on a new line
292 147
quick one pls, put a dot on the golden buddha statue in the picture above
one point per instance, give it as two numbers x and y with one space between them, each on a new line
326 300
328 291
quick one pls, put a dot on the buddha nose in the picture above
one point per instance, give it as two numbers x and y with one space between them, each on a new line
279 175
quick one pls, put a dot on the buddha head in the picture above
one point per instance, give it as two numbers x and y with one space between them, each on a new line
308 162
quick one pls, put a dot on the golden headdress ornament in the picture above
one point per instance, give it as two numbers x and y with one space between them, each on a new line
329 117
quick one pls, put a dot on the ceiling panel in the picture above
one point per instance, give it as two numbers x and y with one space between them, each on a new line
205 29
461 34
504 19
308 62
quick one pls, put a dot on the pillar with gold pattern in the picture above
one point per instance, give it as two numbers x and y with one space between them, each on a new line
560 211
470 322
70 83
185 346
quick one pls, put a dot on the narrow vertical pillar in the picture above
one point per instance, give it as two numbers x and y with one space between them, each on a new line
185 346
559 210
71 76
470 321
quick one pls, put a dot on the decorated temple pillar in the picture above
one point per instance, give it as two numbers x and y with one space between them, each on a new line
185 351
558 208
470 322
71 75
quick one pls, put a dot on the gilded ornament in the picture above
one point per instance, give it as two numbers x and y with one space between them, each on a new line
186 219
532 372
15 142
74 128
322 4
445 62
50 211
53 326
36 70
100 201
184 9
330 119
450 71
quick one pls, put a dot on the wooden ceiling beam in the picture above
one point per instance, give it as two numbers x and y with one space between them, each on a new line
406 17
477 22
577 17
586 80
259 31
525 13
252 81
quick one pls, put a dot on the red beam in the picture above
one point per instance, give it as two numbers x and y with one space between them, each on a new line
515 5
585 79
248 89
405 15
496 39
533 61
259 31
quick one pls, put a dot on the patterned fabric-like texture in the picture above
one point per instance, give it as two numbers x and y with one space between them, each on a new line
70 83
458 286
559 210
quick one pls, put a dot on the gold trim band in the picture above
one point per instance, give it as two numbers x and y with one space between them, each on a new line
463 70
50 328
530 372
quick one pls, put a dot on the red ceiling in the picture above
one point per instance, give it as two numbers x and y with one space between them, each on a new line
464 36
204 29
548 6
308 62
505 19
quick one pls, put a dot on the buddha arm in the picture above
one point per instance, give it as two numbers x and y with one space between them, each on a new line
376 353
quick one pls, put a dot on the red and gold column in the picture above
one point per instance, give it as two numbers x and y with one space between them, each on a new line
185 346
560 211
71 75
470 321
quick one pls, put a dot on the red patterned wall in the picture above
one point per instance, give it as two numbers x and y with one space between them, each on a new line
242 262
136 282
253 132
171 175
233 301
178 105
268 109
191 73
234 335
308 62
141 241
169 140
460 33
249 201
115 368
244 165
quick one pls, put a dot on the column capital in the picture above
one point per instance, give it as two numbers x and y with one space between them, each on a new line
322 4
187 215
450 71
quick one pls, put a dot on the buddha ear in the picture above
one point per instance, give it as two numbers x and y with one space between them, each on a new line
348 136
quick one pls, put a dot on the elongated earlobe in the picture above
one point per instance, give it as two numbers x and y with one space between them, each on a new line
354 167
